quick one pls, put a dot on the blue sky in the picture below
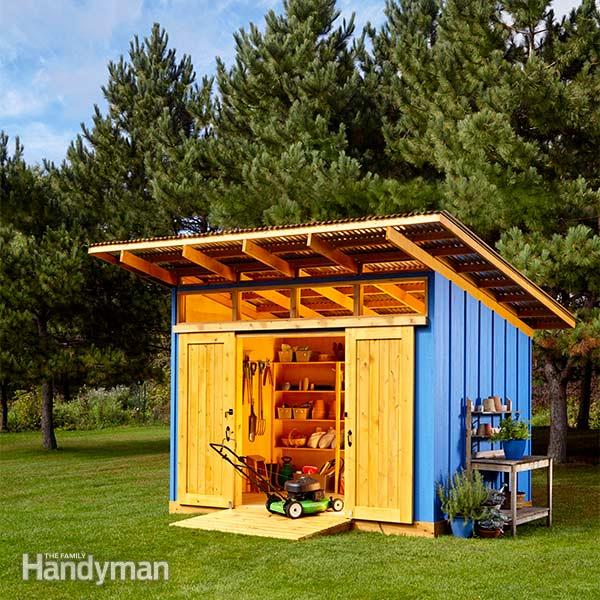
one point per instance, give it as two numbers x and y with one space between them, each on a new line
54 53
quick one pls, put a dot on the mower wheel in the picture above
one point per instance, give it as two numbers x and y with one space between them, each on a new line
337 504
294 510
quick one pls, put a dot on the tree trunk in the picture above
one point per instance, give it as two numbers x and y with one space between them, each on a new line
48 437
585 395
4 411
557 384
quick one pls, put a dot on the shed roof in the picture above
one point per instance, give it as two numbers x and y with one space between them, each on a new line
400 244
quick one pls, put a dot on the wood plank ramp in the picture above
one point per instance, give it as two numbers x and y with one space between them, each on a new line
255 520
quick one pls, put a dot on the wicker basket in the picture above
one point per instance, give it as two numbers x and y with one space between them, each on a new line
285 355
303 355
296 439
284 413
301 413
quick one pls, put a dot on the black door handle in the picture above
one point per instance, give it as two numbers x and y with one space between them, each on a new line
228 433
349 438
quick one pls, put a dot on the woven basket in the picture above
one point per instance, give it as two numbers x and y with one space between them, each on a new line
284 413
296 439
301 413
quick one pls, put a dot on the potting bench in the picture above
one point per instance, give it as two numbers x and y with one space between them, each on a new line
510 468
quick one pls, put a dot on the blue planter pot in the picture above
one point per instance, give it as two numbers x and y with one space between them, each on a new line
461 528
514 449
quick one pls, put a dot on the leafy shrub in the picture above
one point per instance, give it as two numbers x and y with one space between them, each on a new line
95 408
464 496
541 414
25 411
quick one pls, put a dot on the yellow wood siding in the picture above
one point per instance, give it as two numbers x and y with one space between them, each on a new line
380 406
206 392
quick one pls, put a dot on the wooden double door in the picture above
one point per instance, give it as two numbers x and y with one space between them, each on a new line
379 407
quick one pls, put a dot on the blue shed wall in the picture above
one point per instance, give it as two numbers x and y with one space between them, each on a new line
477 354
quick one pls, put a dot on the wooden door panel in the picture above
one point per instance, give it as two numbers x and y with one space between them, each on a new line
206 392
380 396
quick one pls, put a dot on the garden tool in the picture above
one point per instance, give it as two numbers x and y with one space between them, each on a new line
261 424
251 370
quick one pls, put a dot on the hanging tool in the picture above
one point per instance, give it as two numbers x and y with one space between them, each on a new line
252 366
261 425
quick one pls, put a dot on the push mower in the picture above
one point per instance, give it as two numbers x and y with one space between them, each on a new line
303 496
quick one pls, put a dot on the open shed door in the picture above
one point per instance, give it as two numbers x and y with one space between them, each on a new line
379 425
206 394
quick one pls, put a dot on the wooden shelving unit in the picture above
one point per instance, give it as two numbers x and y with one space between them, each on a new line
330 373
493 461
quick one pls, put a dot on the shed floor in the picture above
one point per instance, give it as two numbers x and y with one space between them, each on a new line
255 520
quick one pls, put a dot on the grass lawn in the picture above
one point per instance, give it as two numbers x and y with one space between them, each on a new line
105 493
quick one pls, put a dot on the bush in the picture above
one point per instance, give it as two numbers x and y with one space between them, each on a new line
464 496
541 414
95 408
25 412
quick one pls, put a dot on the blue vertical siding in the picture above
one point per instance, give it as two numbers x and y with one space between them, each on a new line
424 491
173 419
477 354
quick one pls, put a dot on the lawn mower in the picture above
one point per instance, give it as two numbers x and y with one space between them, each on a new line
303 496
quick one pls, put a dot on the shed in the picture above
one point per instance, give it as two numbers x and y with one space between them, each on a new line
396 322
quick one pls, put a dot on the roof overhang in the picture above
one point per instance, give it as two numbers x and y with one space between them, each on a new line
395 244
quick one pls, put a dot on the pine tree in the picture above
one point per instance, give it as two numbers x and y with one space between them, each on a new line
291 124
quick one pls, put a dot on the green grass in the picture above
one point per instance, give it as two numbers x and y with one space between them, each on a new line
105 493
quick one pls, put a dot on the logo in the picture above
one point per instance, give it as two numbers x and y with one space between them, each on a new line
79 566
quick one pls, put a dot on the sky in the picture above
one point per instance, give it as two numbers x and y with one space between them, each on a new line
54 53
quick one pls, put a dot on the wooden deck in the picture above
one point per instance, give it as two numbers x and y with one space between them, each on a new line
255 520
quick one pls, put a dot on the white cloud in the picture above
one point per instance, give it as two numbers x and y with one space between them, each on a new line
41 141
20 102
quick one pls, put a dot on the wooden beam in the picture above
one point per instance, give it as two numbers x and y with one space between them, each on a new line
461 281
488 254
244 308
515 298
414 303
324 248
208 262
534 312
143 267
358 291
342 300
107 257
268 258
282 300
429 236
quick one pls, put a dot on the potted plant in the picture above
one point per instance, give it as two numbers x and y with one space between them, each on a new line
491 525
462 501
513 435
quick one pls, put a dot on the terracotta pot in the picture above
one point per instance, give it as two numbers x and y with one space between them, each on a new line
488 533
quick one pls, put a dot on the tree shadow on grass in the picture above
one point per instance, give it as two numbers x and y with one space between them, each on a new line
114 449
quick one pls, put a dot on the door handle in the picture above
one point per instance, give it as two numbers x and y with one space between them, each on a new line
228 433
349 438
229 412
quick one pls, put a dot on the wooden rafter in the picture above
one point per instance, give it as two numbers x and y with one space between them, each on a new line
324 248
208 262
244 308
450 250
488 254
342 300
496 283
461 281
403 296
268 258
143 267
474 268
285 302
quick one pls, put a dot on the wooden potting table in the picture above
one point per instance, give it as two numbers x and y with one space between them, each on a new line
511 468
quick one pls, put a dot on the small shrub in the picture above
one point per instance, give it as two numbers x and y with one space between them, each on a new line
464 496
511 429
25 411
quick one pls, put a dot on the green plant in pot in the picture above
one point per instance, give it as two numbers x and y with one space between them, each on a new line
491 524
462 501
513 436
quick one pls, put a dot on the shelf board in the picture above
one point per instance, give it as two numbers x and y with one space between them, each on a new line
307 420
311 362
476 413
306 449
528 513
306 391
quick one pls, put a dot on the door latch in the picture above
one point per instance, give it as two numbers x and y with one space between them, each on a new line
229 412
349 438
